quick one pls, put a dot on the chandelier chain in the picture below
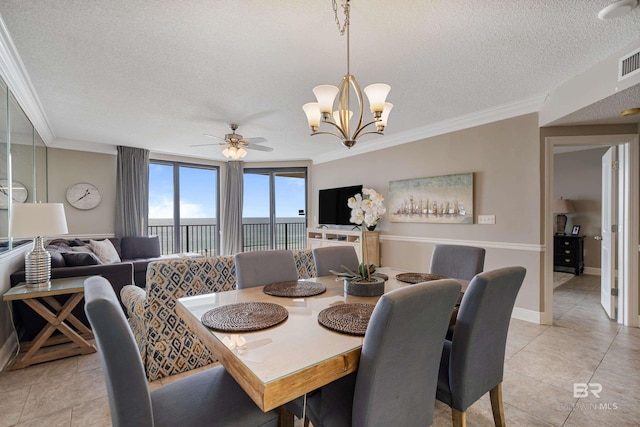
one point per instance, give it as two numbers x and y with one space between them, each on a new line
346 7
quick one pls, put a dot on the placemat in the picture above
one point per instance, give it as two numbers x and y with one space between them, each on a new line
349 319
294 289
418 277
245 316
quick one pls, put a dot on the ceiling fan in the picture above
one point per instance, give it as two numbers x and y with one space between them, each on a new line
236 144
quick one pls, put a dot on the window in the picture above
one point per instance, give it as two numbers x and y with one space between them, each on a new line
184 207
274 209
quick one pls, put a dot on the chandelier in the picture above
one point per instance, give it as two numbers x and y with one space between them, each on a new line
333 106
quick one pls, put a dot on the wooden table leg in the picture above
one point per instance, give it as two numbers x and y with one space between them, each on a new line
55 321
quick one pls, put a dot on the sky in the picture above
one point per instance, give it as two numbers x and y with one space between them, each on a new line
198 189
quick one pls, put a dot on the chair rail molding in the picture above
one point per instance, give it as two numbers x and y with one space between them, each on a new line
531 247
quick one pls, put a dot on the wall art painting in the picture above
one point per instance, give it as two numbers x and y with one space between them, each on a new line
446 199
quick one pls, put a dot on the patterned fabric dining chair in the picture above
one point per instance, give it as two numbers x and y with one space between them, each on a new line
456 261
305 264
260 268
403 343
473 360
334 258
209 397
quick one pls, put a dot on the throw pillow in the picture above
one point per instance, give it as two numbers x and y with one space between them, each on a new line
75 259
105 251
82 249
56 257
140 247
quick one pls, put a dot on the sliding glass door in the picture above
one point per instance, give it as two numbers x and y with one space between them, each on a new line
274 208
183 207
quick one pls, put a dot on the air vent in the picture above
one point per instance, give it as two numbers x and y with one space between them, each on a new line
629 65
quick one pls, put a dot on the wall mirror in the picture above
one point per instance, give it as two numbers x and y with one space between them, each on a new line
23 164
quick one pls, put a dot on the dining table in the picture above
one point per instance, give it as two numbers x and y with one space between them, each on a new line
278 364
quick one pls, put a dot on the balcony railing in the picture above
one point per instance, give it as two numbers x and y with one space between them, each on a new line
257 237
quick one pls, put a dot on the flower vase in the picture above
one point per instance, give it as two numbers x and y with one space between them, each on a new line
364 288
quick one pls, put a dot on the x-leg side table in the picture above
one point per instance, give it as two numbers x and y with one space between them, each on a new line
58 317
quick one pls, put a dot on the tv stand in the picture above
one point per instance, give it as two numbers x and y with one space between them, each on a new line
323 237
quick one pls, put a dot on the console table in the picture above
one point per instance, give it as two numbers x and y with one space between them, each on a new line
322 237
58 317
568 253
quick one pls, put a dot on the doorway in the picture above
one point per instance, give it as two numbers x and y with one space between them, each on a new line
627 246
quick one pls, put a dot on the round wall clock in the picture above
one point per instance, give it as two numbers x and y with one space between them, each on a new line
19 195
84 196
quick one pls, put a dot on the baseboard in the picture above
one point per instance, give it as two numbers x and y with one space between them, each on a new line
8 351
527 315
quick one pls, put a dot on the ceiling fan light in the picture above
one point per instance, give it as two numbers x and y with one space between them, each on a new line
227 153
326 95
377 95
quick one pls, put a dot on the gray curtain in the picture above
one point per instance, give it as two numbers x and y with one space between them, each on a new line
232 212
132 192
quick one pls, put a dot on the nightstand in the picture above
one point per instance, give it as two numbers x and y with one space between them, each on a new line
568 253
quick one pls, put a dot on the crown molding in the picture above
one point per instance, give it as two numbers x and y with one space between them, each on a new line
15 75
93 147
490 115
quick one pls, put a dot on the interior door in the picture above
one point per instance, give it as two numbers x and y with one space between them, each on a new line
609 225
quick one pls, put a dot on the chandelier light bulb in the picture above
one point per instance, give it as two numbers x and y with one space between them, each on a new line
385 116
377 95
325 94
336 116
312 111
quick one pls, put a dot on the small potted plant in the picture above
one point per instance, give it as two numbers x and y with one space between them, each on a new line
361 283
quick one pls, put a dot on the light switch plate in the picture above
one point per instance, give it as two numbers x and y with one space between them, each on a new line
486 219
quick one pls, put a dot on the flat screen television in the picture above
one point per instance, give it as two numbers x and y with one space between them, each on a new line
332 205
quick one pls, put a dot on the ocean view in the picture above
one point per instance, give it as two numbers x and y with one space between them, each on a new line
200 234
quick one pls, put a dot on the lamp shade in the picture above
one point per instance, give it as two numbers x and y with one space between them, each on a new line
38 219
377 94
562 206
325 94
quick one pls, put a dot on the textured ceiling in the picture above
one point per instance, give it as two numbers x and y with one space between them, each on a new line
159 74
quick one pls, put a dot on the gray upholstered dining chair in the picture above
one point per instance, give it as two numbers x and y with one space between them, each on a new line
396 379
473 361
333 258
458 262
260 268
210 397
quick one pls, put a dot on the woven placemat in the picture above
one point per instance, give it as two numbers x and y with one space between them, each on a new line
349 319
294 289
245 316
418 277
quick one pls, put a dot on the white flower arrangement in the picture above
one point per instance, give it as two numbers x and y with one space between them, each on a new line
366 208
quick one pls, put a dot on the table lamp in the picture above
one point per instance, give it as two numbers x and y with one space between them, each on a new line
561 207
39 220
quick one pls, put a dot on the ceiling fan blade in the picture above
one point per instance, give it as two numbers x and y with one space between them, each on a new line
213 136
211 143
259 148
257 140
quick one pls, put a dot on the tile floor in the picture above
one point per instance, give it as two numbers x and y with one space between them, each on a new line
542 364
